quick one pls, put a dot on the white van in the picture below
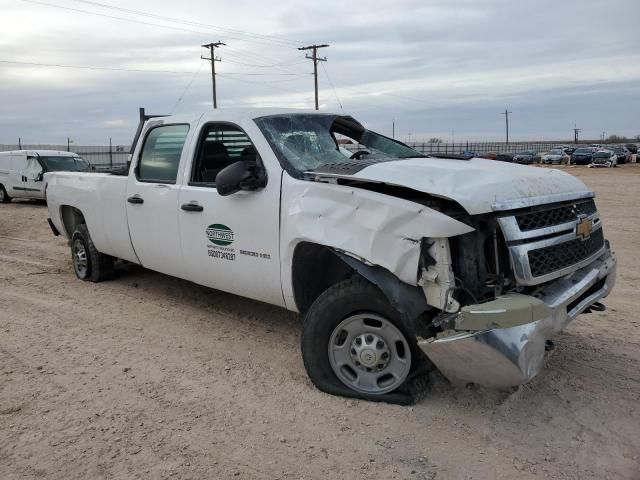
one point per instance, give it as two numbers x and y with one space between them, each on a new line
21 171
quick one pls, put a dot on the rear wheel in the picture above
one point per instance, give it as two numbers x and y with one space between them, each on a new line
352 337
88 263
4 196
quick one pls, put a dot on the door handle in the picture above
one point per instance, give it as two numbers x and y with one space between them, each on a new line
135 200
192 207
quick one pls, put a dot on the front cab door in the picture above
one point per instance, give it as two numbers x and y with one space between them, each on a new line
230 243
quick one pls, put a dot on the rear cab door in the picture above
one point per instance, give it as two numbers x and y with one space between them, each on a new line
153 191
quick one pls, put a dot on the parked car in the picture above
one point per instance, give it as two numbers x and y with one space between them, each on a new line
632 147
622 153
21 171
490 155
569 150
505 157
527 157
582 155
469 154
388 258
604 158
555 157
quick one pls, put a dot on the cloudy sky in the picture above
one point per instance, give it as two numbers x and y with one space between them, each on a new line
444 68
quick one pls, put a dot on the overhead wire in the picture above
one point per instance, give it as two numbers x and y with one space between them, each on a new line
332 87
187 88
234 51
272 38
92 67
133 20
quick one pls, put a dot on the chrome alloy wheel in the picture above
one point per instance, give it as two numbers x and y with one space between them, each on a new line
369 354
80 260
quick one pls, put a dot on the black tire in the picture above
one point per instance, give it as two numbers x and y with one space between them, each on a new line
4 196
98 266
353 296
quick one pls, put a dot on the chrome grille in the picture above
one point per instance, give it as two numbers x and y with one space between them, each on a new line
543 241
554 216
543 261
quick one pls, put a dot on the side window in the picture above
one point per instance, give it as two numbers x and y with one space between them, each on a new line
220 145
161 153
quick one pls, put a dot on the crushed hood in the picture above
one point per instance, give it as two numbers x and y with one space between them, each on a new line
479 185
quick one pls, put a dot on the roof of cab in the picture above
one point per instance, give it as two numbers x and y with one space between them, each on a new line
238 115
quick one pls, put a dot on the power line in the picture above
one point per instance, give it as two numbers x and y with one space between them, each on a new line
272 38
212 46
316 59
235 51
186 88
332 87
84 67
140 70
132 20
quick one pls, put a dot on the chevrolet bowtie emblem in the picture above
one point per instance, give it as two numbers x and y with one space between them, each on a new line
584 228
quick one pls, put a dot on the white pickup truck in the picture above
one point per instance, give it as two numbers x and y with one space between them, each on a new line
396 260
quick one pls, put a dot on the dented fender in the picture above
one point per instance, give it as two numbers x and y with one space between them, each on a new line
379 229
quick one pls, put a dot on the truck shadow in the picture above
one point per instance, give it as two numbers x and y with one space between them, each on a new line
579 369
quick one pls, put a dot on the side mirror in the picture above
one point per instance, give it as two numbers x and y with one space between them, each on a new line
39 177
242 175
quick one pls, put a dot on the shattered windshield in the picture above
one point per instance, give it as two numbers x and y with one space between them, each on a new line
64 164
306 142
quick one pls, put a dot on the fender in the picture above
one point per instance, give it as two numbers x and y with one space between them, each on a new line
383 230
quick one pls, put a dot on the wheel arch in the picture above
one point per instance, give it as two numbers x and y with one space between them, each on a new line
317 267
71 218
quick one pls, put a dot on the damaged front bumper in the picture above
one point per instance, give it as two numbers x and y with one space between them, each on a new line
501 344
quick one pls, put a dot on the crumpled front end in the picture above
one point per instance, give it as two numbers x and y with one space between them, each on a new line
512 352
522 276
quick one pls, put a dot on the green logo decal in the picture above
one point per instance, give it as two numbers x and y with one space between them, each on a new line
219 234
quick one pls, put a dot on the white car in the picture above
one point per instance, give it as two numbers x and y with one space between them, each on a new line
388 255
21 171
555 157
604 158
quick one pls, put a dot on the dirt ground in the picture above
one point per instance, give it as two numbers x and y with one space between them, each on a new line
147 376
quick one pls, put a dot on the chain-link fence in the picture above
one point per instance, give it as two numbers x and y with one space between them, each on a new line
116 156
101 157
482 147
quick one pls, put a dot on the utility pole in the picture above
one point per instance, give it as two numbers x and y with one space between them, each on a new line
212 46
68 142
576 130
506 119
316 59
393 128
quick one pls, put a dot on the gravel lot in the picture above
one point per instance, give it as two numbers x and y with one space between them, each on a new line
148 376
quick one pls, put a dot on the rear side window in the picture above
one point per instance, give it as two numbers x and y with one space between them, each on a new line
161 153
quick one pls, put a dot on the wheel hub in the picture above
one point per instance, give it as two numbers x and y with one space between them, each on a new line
369 352
80 257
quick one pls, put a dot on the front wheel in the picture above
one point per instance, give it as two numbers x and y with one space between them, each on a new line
88 263
352 337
